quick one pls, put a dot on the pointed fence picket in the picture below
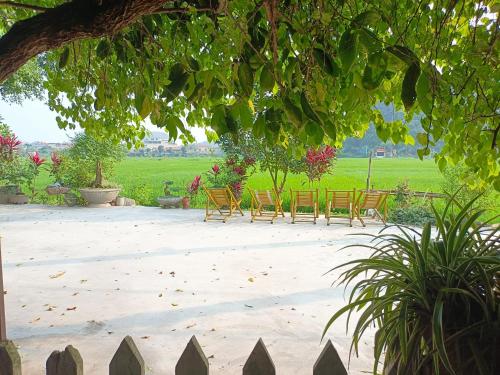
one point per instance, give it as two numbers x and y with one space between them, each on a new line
128 361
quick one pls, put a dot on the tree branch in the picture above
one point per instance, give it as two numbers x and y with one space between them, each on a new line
71 21
14 4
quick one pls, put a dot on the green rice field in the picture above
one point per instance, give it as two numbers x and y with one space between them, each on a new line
142 178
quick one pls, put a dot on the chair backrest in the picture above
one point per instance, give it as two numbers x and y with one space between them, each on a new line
304 198
264 197
220 196
372 200
339 199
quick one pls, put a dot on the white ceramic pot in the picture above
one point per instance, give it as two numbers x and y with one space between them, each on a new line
99 197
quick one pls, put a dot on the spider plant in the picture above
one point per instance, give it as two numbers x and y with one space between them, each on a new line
430 295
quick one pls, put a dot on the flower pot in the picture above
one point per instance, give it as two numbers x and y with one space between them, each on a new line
170 202
18 199
6 191
185 203
56 190
99 197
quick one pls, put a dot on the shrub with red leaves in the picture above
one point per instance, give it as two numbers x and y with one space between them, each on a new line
319 162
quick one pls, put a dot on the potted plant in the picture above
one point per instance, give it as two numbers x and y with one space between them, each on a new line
192 190
12 169
431 297
88 164
169 200
56 188
233 173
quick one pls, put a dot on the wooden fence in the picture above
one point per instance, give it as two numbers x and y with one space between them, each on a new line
128 361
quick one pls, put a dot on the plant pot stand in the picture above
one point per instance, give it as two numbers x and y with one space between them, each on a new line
170 202
58 191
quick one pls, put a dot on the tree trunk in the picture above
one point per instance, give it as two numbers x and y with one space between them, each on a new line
98 175
77 19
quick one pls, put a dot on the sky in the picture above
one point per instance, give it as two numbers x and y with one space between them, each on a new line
34 121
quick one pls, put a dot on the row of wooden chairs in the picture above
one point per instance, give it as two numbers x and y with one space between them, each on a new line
304 205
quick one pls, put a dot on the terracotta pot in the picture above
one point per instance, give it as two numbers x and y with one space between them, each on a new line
99 197
18 199
185 203
56 190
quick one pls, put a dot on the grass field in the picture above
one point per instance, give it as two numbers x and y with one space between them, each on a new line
141 178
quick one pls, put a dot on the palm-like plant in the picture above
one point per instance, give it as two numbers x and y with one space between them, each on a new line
431 298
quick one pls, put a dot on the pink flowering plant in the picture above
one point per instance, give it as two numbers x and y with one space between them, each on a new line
35 162
232 172
319 161
55 167
12 167
193 188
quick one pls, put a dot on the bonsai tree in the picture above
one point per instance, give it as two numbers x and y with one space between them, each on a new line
89 161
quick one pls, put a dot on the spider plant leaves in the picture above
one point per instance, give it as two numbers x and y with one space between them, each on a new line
428 293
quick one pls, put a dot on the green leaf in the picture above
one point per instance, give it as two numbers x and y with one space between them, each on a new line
403 53
368 18
348 47
218 120
103 49
64 58
193 64
259 127
308 110
173 124
422 138
326 63
245 78
293 112
375 70
408 92
178 78
267 78
424 93
330 130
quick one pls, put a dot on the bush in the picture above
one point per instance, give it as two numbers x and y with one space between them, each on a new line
431 298
408 209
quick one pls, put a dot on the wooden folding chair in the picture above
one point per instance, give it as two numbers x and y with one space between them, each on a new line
375 201
305 199
265 205
339 199
221 204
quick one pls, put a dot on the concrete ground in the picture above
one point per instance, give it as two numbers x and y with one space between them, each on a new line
89 277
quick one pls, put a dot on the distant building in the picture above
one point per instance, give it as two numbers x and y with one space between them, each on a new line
158 141
380 152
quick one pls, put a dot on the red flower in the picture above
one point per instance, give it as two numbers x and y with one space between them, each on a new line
239 170
9 143
230 161
195 185
36 159
56 160
216 169
236 187
249 161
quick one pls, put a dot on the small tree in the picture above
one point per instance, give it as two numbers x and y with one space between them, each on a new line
89 161
277 160
318 162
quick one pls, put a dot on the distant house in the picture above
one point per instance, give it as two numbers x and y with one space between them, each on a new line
380 152
158 142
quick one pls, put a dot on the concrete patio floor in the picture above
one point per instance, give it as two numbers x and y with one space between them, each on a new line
89 277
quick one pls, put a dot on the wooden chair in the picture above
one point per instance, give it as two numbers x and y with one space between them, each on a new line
306 199
371 200
265 205
221 204
339 199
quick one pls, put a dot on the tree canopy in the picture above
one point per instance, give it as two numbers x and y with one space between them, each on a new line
312 69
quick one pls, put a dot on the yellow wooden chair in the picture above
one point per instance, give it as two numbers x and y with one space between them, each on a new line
304 199
221 204
371 200
265 205
339 199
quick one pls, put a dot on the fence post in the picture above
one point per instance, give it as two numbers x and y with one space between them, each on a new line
68 362
259 362
192 360
329 362
127 359
10 361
